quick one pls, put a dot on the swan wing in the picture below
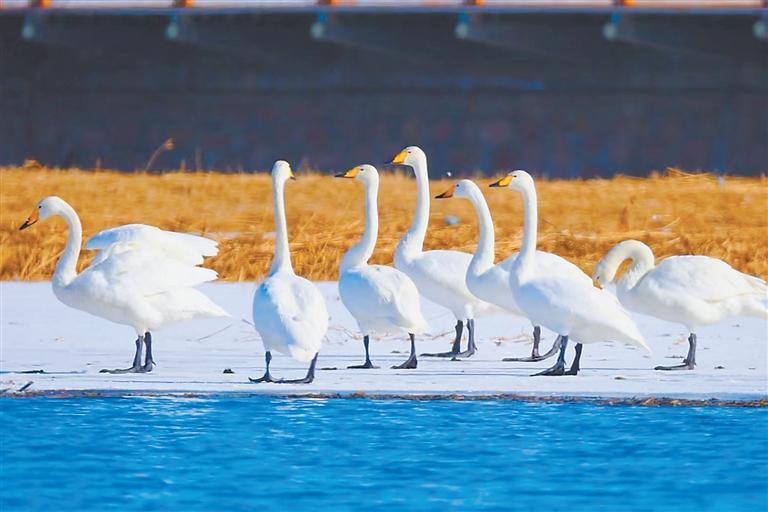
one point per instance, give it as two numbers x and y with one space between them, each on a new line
593 314
147 270
447 269
705 278
184 247
289 310
384 291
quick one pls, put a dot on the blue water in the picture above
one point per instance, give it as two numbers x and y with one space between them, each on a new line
283 454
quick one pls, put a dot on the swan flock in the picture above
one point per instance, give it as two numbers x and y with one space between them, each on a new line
145 277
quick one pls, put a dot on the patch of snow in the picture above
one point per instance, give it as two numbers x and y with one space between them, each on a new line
38 332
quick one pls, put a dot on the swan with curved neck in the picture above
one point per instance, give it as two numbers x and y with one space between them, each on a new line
438 274
143 277
692 290
289 312
489 281
380 298
569 306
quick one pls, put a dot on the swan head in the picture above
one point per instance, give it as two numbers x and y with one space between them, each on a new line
409 156
365 173
519 180
463 188
605 270
282 172
47 207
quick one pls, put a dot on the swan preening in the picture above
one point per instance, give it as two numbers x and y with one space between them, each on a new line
380 298
143 277
566 304
288 311
692 290
439 275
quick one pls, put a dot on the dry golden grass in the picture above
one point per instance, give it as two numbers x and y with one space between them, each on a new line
675 214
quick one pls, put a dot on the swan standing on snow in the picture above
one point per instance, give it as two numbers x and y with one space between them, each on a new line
490 282
143 276
380 298
288 311
439 275
692 290
566 305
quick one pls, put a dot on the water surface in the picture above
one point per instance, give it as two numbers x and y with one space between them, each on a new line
288 454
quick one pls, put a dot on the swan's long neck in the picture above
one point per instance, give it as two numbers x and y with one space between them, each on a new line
282 259
530 226
484 255
360 253
413 241
642 262
66 268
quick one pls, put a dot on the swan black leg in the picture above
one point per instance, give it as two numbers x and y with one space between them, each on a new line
411 362
536 357
307 379
267 376
559 367
456 343
136 368
471 347
690 360
149 363
367 364
574 370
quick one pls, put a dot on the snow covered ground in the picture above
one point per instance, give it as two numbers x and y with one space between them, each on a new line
38 332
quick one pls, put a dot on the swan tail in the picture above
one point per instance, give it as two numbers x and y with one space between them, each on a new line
758 285
632 336
302 354
757 308
187 303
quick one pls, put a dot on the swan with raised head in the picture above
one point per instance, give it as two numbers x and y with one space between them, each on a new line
143 277
490 282
380 298
692 290
289 311
569 306
438 274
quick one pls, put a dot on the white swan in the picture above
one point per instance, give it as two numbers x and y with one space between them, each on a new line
490 282
288 311
570 307
692 290
381 298
439 275
143 276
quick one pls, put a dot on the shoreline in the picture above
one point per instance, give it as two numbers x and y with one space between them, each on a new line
645 401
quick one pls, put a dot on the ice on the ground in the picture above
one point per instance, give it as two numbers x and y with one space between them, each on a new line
38 332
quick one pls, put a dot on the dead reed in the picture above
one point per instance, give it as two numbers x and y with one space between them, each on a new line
676 213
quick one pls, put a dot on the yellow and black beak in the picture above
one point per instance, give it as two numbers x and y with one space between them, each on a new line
291 175
445 195
399 158
350 173
503 182
33 217
596 283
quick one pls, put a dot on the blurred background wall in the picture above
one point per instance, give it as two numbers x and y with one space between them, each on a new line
563 88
